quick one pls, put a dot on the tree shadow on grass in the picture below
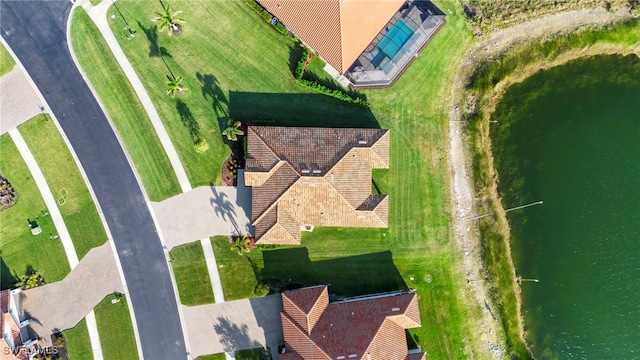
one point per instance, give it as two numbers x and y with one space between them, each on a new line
7 279
188 120
211 90
278 109
151 33
348 276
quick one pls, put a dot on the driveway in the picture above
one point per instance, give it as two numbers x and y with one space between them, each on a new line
204 212
234 325
36 32
18 101
64 303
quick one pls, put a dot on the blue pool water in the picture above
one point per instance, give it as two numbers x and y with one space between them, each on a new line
395 38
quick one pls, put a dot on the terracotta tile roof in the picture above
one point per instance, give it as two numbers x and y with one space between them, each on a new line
314 176
364 328
338 30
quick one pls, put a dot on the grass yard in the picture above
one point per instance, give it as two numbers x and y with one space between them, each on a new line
252 354
249 80
116 330
77 209
78 343
6 61
245 72
20 251
192 276
220 356
124 108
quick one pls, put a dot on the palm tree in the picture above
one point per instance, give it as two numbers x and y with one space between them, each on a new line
241 244
233 130
174 86
169 20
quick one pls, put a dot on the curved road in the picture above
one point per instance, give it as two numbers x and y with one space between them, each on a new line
36 31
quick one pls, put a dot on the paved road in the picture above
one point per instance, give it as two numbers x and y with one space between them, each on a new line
36 31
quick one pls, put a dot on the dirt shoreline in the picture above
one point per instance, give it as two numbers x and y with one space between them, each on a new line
490 339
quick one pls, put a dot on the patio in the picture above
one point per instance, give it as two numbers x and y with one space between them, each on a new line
396 45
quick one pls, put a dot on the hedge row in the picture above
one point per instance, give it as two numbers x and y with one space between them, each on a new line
336 93
264 14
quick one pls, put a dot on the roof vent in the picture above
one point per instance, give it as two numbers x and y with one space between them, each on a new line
305 171
395 309
317 171
351 356
340 357
362 142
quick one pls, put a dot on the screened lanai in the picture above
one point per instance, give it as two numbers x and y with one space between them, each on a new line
396 44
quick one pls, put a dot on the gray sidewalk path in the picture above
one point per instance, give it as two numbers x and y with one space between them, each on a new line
203 212
47 196
18 101
61 227
64 303
99 16
234 325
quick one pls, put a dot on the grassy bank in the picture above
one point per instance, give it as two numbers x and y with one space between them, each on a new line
124 108
116 330
192 276
20 251
486 84
6 61
488 15
63 177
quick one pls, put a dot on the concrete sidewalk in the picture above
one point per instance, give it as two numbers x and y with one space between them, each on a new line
99 16
64 303
18 101
234 325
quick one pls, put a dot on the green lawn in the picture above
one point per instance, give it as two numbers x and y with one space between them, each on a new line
6 61
20 251
236 66
116 330
77 209
220 356
124 108
192 276
249 80
78 343
252 354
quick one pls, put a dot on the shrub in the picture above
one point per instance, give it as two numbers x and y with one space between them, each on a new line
313 84
262 289
271 20
201 145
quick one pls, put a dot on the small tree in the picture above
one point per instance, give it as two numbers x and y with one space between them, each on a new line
174 86
169 20
233 130
241 244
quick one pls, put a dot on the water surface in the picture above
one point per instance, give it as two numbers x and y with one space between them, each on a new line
570 136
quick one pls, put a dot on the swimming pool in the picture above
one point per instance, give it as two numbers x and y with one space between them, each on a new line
395 38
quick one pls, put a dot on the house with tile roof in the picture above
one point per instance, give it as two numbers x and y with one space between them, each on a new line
371 42
306 177
14 328
367 327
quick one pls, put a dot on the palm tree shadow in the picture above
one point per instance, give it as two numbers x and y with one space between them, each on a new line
211 89
224 208
188 120
232 336
151 33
